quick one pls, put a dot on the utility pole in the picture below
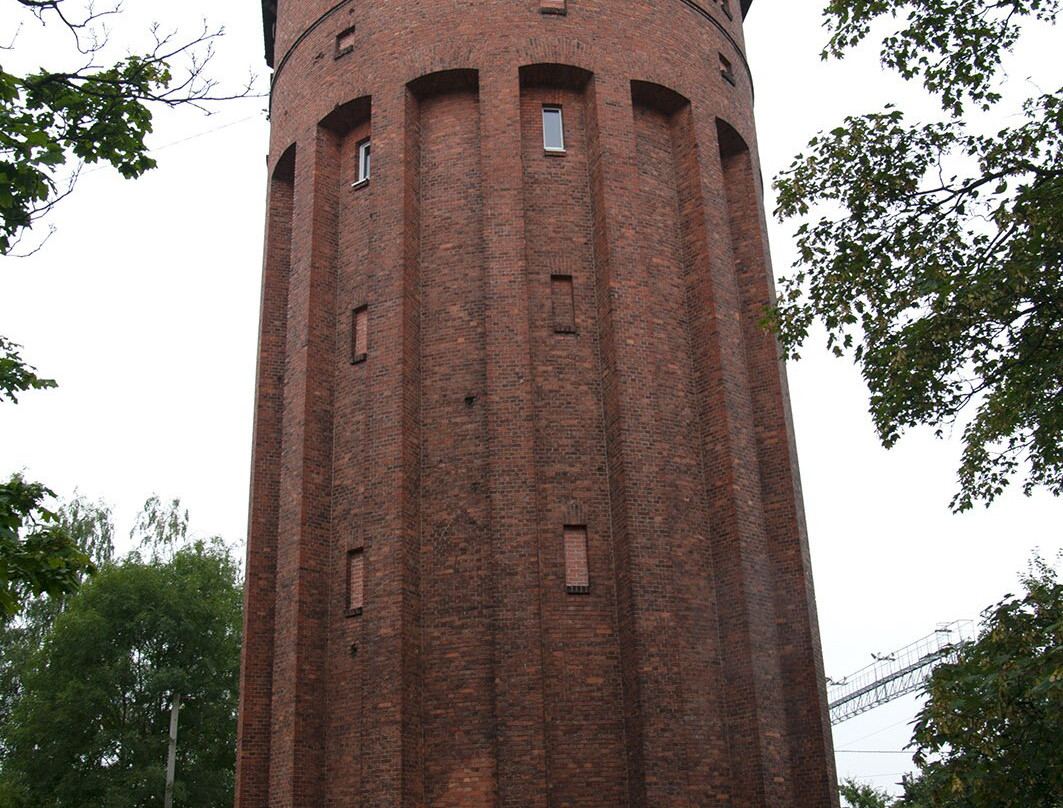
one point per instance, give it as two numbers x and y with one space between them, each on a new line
171 759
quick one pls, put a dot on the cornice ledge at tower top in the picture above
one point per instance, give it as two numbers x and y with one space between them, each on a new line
269 24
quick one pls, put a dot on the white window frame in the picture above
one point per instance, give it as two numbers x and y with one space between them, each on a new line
364 161
561 125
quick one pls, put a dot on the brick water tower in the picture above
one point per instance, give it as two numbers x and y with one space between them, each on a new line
526 527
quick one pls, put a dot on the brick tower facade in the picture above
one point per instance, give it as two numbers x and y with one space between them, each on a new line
526 527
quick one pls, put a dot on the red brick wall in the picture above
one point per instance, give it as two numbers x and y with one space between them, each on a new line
254 733
581 691
455 542
780 486
682 667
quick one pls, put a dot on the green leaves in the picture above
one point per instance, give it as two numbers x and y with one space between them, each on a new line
93 114
89 724
953 46
15 375
162 529
37 556
933 255
989 732
861 795
47 118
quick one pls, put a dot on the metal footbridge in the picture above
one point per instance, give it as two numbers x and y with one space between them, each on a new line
896 674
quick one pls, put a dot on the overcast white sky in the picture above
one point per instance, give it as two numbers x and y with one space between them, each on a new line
144 306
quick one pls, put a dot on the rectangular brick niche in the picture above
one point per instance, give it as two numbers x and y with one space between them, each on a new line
355 582
359 334
577 572
563 304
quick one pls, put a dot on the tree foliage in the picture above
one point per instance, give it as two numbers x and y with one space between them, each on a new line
15 375
161 529
862 795
932 252
52 122
37 554
989 734
55 119
88 725
89 527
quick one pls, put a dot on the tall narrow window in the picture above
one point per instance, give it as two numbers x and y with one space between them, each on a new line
363 160
355 581
577 573
359 334
564 309
553 130
726 70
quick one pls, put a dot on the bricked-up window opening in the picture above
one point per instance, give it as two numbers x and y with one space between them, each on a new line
552 6
577 573
355 581
564 306
553 130
345 42
726 71
359 334
363 161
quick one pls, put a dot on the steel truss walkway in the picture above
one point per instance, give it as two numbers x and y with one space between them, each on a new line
894 675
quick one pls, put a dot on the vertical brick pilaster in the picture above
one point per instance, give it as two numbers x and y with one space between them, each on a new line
256 671
298 753
740 544
392 758
582 694
658 743
698 611
609 129
515 581
808 726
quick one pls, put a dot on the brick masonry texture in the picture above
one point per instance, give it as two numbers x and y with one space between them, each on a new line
525 395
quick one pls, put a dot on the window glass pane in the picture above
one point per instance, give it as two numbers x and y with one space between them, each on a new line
363 160
553 137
